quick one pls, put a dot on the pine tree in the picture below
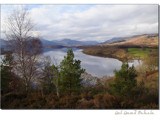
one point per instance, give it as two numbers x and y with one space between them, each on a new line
125 80
70 72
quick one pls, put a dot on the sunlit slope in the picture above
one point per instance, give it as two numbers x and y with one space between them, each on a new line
148 40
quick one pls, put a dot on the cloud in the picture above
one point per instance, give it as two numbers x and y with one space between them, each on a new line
94 22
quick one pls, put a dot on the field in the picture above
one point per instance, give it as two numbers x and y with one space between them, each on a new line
139 52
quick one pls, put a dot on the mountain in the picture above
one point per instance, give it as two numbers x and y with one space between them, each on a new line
64 42
91 42
67 42
75 42
115 39
2 42
145 40
47 42
122 39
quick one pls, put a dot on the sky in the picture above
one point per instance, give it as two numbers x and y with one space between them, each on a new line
89 22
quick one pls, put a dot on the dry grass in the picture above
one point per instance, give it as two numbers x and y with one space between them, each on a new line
143 41
111 52
151 79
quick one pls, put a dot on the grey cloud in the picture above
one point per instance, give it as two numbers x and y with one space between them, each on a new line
99 22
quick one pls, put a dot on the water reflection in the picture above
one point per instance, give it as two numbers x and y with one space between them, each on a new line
97 66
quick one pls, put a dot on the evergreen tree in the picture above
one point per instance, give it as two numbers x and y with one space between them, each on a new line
70 72
125 80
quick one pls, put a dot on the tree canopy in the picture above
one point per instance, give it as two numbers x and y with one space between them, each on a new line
124 80
70 72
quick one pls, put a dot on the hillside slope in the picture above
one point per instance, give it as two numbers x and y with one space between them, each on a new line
147 40
135 47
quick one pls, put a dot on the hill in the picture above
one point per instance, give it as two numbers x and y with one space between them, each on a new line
2 42
3 45
67 42
115 39
47 42
135 47
146 40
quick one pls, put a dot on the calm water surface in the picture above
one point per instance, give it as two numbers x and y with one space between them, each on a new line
97 66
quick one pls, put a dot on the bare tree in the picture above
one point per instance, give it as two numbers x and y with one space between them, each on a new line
45 83
25 48
50 75
56 78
